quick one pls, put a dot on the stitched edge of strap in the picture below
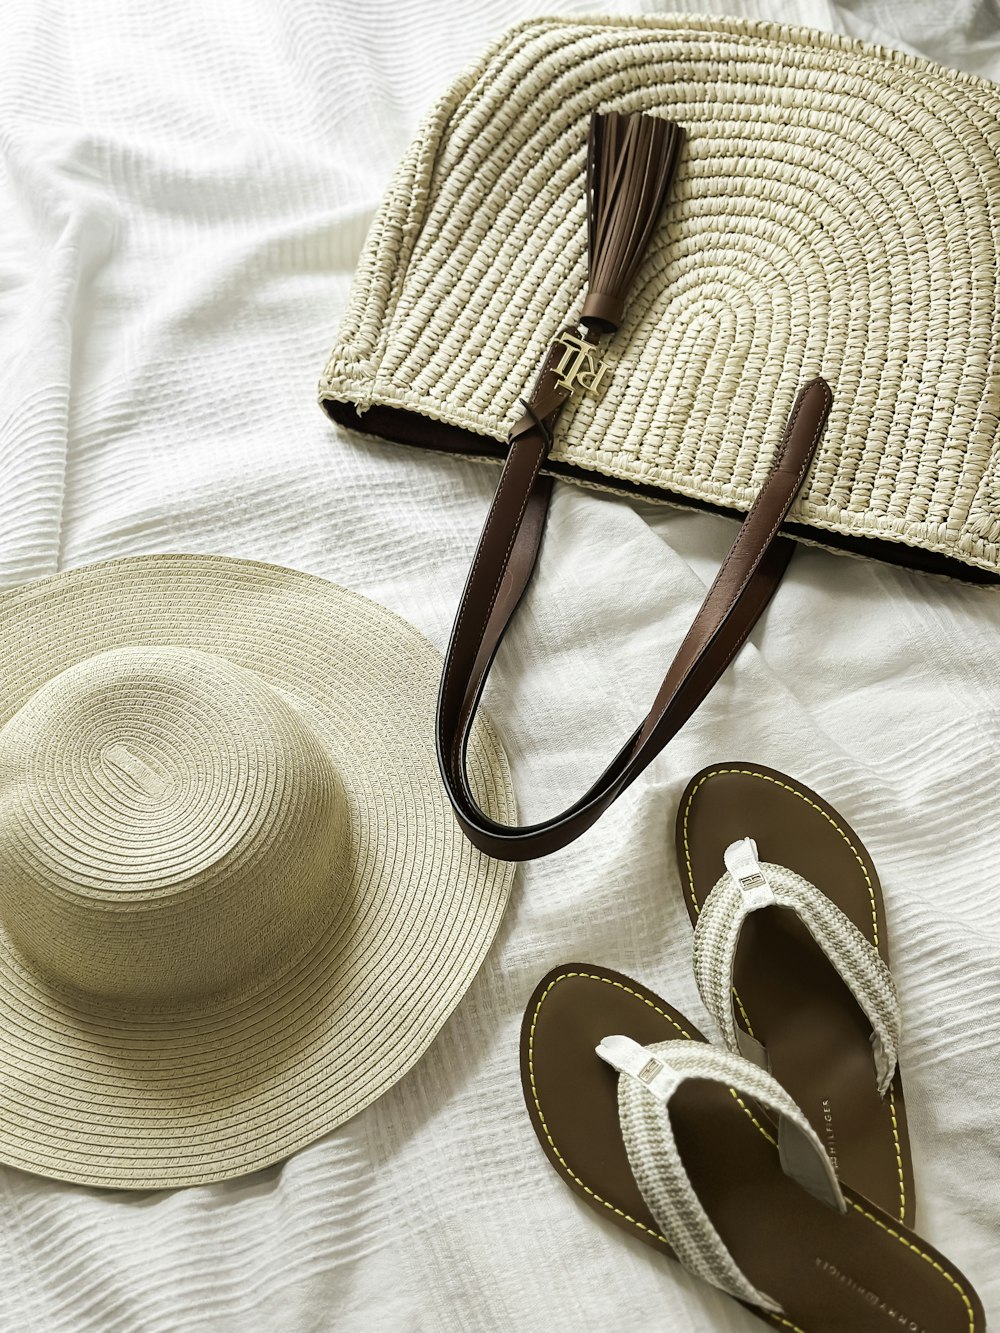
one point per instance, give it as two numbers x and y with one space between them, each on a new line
564 1168
683 688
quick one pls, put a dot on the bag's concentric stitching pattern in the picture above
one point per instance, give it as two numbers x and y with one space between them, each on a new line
834 213
316 912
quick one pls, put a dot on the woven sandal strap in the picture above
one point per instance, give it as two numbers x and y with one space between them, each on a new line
748 885
650 1075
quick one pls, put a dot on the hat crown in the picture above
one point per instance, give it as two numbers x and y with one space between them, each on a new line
169 825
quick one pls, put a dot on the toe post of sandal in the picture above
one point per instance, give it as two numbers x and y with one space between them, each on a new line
705 1156
791 957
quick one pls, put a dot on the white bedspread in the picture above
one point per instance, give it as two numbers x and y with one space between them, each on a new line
184 189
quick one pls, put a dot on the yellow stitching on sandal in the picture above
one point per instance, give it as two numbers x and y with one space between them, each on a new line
765 777
899 1154
591 976
752 773
917 1250
743 1107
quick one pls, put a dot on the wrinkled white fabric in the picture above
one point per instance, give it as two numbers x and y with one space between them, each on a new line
183 193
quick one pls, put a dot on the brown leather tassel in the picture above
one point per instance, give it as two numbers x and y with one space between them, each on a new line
630 163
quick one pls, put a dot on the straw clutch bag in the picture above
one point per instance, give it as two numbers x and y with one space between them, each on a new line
715 262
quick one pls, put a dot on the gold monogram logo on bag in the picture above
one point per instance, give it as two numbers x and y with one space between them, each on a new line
580 364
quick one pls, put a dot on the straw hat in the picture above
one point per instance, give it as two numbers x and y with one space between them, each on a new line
234 905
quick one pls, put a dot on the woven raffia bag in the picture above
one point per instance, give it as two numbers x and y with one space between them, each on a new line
709 261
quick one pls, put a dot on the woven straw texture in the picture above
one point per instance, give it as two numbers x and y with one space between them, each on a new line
660 1172
858 962
835 212
186 197
235 907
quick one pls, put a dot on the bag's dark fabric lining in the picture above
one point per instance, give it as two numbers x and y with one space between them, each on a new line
401 427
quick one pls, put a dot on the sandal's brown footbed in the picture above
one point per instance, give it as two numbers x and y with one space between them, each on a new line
788 994
860 1272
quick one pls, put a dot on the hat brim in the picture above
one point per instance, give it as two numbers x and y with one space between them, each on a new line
110 1095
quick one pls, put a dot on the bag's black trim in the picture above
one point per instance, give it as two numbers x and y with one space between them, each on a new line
402 427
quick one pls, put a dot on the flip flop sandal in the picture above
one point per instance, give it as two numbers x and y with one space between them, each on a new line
665 1136
792 961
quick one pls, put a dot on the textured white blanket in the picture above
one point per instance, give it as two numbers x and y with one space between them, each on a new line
183 193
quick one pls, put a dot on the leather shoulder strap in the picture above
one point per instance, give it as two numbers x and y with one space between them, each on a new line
504 560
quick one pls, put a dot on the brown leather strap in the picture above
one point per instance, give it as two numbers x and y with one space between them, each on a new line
504 560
